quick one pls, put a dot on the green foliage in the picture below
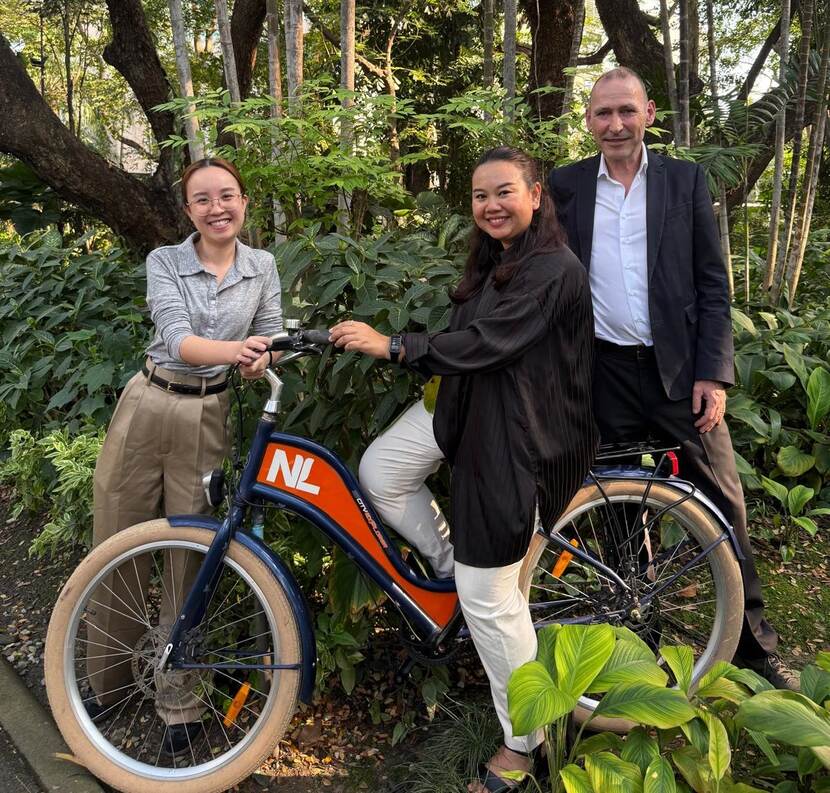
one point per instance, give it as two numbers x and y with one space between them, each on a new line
685 739
53 474
780 416
72 331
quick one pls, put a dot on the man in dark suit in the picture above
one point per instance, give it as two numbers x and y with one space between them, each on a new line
643 225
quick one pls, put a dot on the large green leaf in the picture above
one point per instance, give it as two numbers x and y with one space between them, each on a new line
601 742
646 704
681 661
782 381
610 773
815 684
795 360
629 663
719 753
576 780
533 700
818 395
694 768
581 651
640 748
546 641
775 489
741 320
793 462
786 716
797 499
659 777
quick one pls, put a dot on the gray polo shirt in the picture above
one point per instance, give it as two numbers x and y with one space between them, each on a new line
184 300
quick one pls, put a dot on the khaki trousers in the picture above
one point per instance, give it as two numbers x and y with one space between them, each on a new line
158 446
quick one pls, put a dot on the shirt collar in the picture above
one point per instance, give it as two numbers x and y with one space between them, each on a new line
189 264
603 168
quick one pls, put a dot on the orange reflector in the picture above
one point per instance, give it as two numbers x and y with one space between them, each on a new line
237 704
563 561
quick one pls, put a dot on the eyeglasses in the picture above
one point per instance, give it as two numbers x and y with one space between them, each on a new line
203 204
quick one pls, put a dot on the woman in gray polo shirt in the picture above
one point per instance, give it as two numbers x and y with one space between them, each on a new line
205 296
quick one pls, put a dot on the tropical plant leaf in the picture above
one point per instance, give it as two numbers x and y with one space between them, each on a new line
719 753
797 499
546 641
818 395
629 663
580 653
533 699
646 704
681 661
786 716
775 489
659 777
608 772
576 780
815 684
793 462
601 742
640 748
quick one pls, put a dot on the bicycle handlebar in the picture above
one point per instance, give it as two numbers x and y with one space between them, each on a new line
300 340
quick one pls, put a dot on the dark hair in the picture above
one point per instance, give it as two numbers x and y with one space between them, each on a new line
486 254
210 162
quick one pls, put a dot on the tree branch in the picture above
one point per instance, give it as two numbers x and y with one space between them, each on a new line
134 55
333 38
595 57
146 215
772 39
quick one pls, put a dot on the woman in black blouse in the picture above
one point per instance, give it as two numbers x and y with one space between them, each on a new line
513 415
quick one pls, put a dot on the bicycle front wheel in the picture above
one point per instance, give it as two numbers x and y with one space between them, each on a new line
106 637
683 586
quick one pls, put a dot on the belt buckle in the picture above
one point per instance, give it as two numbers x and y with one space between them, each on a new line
169 386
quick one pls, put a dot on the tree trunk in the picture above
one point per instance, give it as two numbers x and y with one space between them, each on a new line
508 78
573 59
191 125
552 26
811 176
146 215
228 56
347 33
294 52
247 20
391 85
67 63
792 191
683 87
487 41
275 90
780 142
668 59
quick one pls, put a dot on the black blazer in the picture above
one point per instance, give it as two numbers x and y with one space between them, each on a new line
513 415
688 295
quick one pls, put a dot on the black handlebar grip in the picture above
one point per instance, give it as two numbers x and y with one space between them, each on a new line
315 336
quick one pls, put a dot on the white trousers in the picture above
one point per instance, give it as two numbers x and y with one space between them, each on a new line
499 620
392 472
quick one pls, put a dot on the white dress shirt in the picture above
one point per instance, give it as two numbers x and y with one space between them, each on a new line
619 268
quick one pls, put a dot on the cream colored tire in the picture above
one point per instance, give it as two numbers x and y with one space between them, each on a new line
87 742
722 564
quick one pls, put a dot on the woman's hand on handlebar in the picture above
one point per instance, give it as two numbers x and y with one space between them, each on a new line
250 353
359 336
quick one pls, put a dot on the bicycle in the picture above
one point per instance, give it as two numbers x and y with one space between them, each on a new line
634 548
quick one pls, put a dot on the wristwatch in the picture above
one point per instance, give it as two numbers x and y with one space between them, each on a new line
395 342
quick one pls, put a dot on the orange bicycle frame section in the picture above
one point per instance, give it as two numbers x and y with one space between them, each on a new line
307 479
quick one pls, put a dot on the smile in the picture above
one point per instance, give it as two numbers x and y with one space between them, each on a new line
221 223
498 221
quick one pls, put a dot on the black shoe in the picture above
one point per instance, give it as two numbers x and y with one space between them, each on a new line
178 738
773 669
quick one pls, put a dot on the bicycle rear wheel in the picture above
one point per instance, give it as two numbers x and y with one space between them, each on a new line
241 712
653 544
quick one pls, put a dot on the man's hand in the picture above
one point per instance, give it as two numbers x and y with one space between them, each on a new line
257 369
359 336
711 395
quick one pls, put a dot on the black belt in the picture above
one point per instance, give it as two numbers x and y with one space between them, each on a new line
638 352
184 388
